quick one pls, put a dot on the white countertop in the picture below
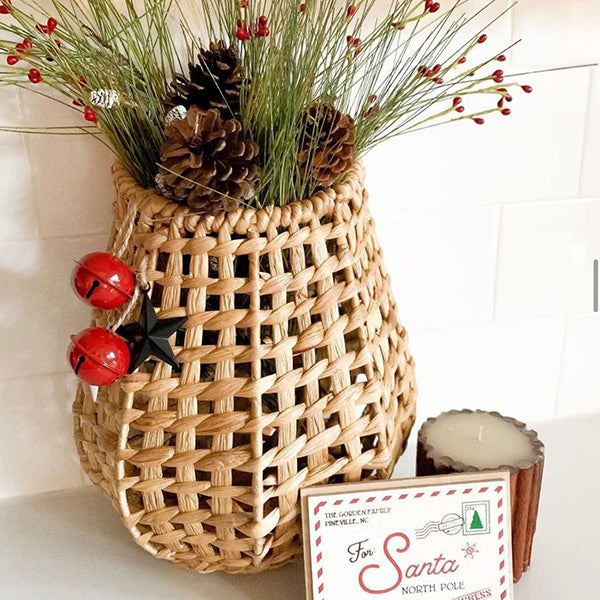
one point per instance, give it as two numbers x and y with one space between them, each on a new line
71 545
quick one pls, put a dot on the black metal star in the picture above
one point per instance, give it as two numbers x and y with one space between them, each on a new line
150 336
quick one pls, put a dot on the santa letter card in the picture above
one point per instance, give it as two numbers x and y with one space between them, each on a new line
430 538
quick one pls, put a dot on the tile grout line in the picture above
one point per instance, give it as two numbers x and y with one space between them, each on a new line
59 237
36 375
586 122
499 224
561 367
34 188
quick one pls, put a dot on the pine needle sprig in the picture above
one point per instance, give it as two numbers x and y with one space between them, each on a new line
94 47
385 77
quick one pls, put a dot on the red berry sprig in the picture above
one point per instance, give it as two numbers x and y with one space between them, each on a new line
49 28
354 46
5 7
34 76
351 11
259 29
11 59
24 47
262 28
90 115
242 32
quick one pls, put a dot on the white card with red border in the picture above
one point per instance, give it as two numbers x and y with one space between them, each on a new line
431 538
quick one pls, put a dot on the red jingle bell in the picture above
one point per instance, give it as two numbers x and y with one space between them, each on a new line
98 356
103 281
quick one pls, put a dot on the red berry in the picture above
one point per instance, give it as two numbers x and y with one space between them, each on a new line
242 34
527 89
42 28
498 73
90 115
422 70
25 46
508 98
479 120
356 42
436 69
303 7
264 31
243 4
58 42
505 111
372 98
434 7
5 7
462 60
501 103
78 102
34 76
99 356
498 79
439 81
456 101
501 58
51 26
429 73
262 20
460 109
482 38
351 11
428 4
12 60
82 81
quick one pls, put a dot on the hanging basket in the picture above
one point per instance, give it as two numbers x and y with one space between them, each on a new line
294 372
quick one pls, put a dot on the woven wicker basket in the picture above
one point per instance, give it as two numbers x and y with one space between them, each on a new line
295 372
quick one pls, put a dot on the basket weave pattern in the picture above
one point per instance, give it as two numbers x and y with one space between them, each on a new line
295 372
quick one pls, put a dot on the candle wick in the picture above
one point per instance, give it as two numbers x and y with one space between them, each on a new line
480 434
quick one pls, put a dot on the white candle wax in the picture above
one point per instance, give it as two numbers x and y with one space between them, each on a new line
478 439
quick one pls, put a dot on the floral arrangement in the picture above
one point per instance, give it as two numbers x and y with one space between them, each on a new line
272 102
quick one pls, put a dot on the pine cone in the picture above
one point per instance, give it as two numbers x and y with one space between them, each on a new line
327 144
214 82
212 162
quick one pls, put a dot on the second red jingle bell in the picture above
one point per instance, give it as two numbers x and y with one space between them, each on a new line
103 281
99 356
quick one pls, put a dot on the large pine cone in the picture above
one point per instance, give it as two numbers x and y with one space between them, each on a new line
211 160
214 82
327 144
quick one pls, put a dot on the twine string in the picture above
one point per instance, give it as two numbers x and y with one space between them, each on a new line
119 247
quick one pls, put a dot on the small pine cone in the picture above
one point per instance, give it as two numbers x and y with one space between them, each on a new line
209 163
326 144
214 82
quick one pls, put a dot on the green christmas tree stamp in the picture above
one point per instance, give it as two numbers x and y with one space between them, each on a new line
476 518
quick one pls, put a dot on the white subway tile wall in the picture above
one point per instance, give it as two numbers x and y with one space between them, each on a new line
489 235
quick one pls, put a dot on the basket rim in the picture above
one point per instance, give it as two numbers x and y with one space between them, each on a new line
154 207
